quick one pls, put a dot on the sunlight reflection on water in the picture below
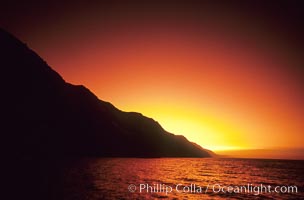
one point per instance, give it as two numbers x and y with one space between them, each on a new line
96 178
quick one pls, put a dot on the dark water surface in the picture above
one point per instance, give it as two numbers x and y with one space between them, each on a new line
184 178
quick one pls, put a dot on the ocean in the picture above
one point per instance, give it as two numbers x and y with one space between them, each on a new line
184 178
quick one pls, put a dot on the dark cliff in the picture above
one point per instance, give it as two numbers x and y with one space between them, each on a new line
44 115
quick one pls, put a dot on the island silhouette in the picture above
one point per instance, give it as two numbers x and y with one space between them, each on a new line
48 124
45 115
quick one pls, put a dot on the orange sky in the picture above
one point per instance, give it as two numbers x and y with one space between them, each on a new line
223 82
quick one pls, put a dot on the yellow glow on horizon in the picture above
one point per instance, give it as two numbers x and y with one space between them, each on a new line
200 127
224 148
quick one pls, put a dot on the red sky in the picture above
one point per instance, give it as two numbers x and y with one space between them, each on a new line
225 76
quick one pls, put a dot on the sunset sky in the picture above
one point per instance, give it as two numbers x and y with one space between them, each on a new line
226 76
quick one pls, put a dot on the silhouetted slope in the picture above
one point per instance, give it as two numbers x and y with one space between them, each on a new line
44 115
46 122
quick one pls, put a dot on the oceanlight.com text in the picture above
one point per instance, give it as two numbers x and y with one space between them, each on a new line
254 189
